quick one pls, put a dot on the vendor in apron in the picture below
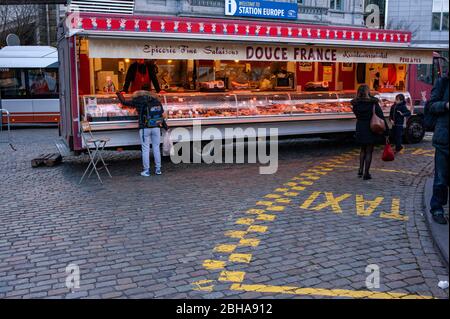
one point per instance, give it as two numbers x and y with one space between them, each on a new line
140 75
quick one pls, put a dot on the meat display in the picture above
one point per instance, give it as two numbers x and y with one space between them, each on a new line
232 105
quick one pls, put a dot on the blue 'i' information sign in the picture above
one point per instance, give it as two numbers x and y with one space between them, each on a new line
261 9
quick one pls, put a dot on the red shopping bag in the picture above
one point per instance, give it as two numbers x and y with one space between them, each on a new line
388 153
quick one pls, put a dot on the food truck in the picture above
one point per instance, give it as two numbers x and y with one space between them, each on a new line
227 73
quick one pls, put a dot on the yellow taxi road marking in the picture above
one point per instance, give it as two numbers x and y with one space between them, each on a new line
255 211
364 207
421 151
291 184
235 233
266 217
361 209
395 211
264 203
282 190
245 221
333 202
225 248
213 264
273 196
203 285
316 171
251 242
276 208
383 170
298 188
240 258
324 292
283 200
290 194
257 229
307 203
232 276
306 183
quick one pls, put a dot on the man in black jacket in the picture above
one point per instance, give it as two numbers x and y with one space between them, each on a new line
397 116
438 107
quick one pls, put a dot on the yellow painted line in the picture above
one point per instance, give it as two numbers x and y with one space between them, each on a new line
240 258
290 184
310 200
282 190
298 188
316 171
291 194
395 212
203 285
383 170
232 276
306 183
255 211
276 208
323 292
257 229
264 203
252 242
214 264
424 152
236 233
283 200
225 248
274 196
245 221
266 217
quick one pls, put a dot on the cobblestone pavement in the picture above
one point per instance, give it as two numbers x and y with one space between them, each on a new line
217 231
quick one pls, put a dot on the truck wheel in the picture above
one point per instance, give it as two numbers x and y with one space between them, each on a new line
415 131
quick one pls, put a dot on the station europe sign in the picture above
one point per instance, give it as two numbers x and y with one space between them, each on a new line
144 49
261 9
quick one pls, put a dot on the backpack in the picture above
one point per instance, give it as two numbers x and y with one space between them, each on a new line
431 119
153 116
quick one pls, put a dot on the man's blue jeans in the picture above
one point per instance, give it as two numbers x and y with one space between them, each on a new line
440 187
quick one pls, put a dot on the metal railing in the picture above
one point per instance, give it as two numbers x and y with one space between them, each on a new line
207 3
8 139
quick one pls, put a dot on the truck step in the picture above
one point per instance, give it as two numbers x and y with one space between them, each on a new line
49 160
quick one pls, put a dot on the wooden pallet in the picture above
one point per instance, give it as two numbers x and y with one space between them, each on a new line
47 160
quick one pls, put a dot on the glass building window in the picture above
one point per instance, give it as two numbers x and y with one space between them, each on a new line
440 15
336 5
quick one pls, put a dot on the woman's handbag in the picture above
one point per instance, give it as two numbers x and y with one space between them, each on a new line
377 125
388 153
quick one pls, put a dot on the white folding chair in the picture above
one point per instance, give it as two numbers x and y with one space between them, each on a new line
94 146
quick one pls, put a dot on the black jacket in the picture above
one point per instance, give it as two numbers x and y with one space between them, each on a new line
438 108
131 74
396 117
141 103
363 109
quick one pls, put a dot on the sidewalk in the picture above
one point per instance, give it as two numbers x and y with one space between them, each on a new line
440 233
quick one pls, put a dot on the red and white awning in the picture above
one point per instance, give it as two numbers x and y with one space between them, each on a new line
233 30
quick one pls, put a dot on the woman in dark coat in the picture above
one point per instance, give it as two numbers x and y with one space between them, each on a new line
363 108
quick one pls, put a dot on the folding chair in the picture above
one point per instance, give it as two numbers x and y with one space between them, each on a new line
94 146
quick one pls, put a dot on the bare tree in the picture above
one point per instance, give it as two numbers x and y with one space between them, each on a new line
404 25
19 19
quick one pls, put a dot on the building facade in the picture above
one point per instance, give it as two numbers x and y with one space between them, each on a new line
428 20
327 12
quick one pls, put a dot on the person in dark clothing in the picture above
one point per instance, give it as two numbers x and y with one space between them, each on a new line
397 116
151 119
363 106
139 75
438 108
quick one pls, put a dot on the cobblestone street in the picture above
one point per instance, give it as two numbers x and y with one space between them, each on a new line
217 231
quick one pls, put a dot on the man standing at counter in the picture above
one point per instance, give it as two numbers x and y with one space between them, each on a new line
139 75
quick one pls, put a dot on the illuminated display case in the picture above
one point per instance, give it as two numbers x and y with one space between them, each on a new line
184 106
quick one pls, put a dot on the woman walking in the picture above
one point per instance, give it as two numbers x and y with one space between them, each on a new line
397 116
363 106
